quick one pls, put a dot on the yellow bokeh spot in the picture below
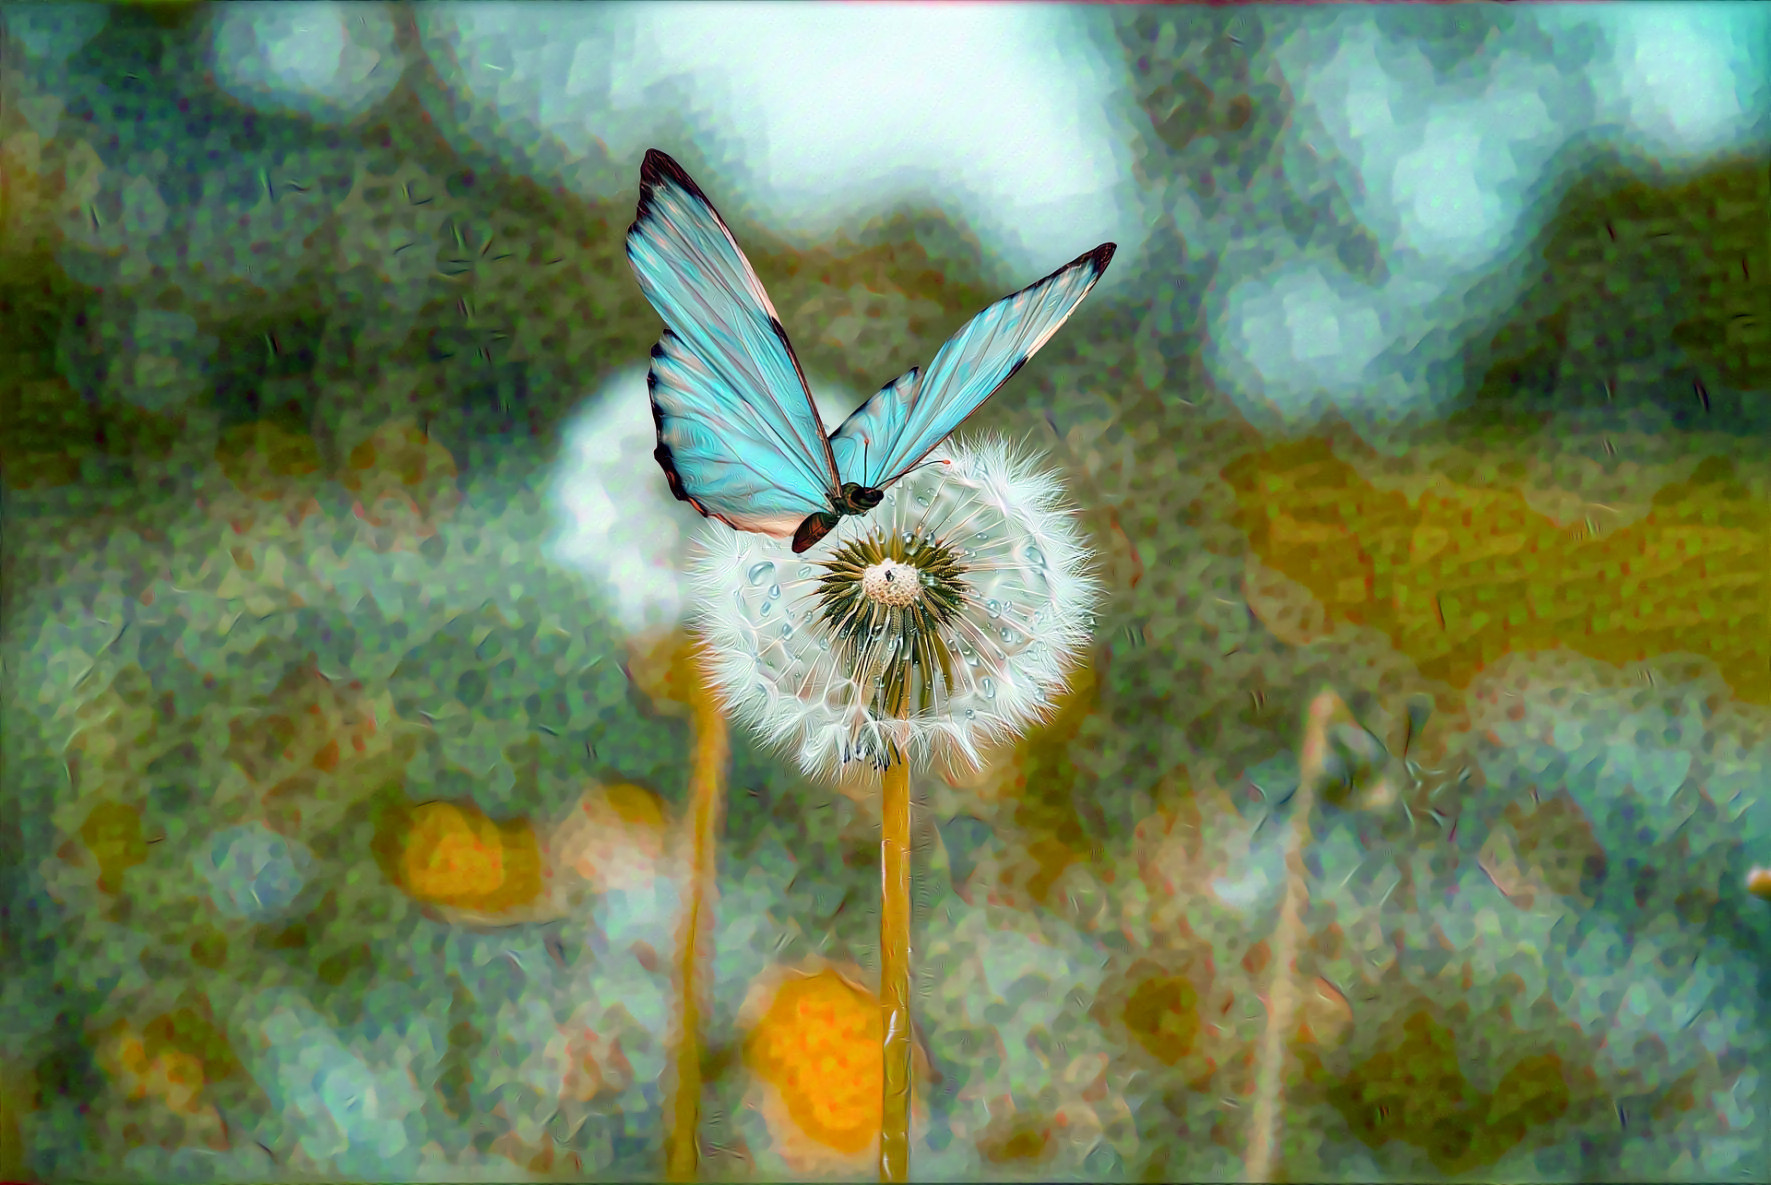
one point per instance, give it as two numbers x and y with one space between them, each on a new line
112 833
263 459
818 1045
636 806
455 856
1465 575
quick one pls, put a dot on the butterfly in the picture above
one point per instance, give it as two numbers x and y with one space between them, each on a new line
739 438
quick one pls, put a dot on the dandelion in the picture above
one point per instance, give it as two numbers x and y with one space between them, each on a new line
942 623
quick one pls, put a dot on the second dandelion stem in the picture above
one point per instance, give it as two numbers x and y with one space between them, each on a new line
894 972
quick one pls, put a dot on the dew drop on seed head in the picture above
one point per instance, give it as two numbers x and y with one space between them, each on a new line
787 629
993 608
1035 557
760 572
767 605
988 686
805 570
774 591
971 713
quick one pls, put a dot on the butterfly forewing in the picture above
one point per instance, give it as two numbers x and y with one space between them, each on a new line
737 431
899 426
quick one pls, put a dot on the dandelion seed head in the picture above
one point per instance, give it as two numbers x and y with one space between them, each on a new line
941 623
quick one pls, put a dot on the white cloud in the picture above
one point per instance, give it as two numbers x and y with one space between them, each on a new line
1444 169
321 58
1680 80
1677 79
825 115
1298 336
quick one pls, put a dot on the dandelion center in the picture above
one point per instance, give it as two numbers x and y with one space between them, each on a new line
891 583
888 596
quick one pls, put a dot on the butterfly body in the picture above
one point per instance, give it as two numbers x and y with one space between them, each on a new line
738 436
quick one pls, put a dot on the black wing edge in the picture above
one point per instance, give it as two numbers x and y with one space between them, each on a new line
661 166
1101 256
662 454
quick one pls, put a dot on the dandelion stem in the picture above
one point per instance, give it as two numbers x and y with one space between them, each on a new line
1265 1122
894 971
706 801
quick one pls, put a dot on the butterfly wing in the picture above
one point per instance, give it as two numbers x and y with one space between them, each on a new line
865 435
900 425
738 436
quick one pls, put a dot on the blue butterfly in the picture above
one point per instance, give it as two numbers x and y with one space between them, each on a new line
739 438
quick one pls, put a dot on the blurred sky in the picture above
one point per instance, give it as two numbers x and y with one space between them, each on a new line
1022 122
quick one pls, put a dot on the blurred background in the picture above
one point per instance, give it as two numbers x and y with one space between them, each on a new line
345 745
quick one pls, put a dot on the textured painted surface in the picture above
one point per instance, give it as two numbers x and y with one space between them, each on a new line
346 779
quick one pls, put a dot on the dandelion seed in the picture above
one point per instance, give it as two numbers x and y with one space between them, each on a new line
939 624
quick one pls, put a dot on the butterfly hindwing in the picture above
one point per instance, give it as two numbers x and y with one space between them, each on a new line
711 457
899 426
868 432
738 436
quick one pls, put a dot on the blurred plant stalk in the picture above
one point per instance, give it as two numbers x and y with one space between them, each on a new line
1266 1128
706 803
668 671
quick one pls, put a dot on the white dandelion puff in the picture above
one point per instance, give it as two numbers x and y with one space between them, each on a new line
944 621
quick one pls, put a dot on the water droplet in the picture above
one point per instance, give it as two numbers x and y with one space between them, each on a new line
993 608
787 629
805 570
982 536
774 591
760 572
988 686
1035 557
971 713
1008 635
767 605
